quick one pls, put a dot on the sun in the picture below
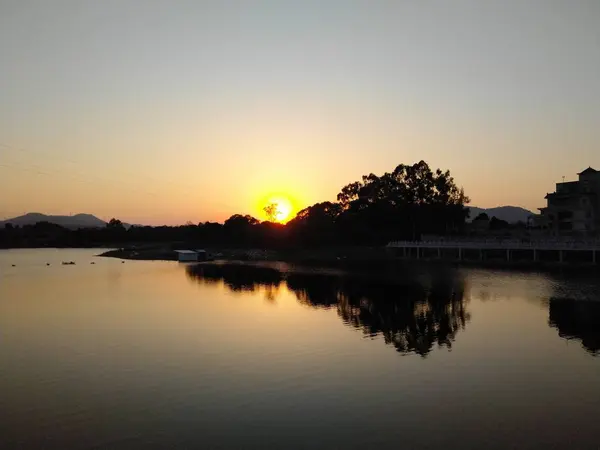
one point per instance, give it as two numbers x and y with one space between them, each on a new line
283 208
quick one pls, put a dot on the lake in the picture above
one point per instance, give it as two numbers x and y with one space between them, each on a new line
164 355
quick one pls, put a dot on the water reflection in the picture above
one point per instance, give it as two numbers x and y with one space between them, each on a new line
578 320
413 311
414 314
238 278
413 323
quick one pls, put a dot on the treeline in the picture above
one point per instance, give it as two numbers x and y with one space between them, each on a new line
403 204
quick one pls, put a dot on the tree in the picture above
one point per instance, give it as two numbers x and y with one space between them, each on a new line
271 212
240 229
238 220
415 184
482 216
404 203
115 230
498 224
316 224
115 224
318 213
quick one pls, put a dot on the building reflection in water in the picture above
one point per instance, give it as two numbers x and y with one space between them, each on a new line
414 314
574 309
578 320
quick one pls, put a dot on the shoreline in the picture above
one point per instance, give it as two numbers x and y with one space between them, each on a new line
343 258
358 257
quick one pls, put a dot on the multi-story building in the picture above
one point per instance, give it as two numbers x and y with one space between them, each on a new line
574 209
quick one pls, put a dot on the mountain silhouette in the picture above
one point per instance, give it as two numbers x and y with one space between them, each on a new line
76 221
511 214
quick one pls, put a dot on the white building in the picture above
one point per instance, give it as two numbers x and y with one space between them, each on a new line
574 208
186 255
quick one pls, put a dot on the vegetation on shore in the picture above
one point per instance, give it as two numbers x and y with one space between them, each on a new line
405 203
323 256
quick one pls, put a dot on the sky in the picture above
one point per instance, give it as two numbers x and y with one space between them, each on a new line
163 112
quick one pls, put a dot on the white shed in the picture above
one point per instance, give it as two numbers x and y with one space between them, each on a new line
186 255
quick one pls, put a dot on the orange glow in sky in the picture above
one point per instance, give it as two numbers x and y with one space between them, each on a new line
215 109
286 208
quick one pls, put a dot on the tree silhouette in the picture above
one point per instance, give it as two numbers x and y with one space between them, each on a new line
317 223
241 230
271 212
238 220
115 224
498 224
405 203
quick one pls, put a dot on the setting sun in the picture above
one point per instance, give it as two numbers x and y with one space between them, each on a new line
283 209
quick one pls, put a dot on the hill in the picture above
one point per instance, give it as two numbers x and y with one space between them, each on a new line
511 214
76 221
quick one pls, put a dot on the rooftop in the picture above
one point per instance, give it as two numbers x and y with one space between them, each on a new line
588 171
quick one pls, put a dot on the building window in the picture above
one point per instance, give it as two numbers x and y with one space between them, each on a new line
562 215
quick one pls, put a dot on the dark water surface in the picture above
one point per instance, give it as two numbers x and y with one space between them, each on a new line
162 355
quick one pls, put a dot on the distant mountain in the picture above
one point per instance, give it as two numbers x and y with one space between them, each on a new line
511 214
76 221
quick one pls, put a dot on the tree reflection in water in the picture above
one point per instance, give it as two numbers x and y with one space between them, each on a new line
413 314
236 277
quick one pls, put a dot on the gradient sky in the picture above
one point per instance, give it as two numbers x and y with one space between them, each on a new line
168 111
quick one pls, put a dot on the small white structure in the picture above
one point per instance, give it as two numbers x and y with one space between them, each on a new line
186 255
202 255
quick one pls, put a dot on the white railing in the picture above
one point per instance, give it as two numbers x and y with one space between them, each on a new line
506 244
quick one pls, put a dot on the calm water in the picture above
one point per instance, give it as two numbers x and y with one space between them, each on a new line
162 355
